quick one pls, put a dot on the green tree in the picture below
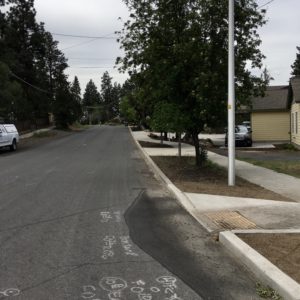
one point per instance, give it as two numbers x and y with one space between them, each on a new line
137 99
33 58
178 52
11 95
65 107
91 101
127 111
54 61
76 94
76 90
19 53
110 96
91 96
33 69
2 29
296 64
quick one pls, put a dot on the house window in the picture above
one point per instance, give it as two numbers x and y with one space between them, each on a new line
296 122
292 123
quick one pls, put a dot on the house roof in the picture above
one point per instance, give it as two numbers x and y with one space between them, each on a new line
276 98
295 82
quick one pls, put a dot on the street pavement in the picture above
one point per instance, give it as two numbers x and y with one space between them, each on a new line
82 217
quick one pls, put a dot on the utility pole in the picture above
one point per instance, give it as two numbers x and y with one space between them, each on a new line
231 97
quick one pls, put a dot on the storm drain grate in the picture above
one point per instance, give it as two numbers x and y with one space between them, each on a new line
230 220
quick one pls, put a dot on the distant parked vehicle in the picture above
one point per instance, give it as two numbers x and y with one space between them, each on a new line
247 124
243 136
9 136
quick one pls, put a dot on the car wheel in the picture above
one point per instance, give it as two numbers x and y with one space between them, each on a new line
13 146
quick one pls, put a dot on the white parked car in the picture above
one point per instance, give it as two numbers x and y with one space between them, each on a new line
9 136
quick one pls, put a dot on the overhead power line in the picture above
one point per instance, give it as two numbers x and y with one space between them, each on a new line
91 59
91 67
80 44
29 84
105 37
266 3
91 38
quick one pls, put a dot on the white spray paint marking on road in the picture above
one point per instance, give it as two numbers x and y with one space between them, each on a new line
127 246
114 286
11 292
118 216
169 285
106 216
110 242
117 288
109 217
89 292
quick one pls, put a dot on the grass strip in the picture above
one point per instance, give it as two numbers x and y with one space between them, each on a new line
289 167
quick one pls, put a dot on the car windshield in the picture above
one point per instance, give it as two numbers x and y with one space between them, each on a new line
242 129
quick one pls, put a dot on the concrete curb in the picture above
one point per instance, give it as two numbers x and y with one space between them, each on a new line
179 195
266 231
261 267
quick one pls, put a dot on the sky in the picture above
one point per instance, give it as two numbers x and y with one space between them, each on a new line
96 18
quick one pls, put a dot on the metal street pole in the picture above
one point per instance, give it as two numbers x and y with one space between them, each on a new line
231 97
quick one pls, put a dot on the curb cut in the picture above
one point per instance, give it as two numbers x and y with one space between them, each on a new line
182 199
260 266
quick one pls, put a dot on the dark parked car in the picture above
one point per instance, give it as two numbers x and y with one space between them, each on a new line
243 136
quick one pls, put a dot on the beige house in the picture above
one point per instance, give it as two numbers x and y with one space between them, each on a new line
295 111
270 116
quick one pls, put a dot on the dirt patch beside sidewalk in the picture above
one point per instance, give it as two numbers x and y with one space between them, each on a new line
282 249
209 179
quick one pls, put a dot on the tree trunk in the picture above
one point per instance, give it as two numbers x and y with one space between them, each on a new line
179 143
187 137
161 138
165 136
197 148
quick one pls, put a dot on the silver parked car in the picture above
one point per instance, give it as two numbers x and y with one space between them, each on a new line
243 136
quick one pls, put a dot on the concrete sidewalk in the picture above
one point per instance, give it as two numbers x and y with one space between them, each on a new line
31 134
267 214
215 212
283 184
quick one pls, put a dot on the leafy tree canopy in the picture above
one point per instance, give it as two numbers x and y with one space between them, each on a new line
176 51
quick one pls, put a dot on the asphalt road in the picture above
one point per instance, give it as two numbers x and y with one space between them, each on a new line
82 217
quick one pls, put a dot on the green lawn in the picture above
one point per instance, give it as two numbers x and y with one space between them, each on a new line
290 167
